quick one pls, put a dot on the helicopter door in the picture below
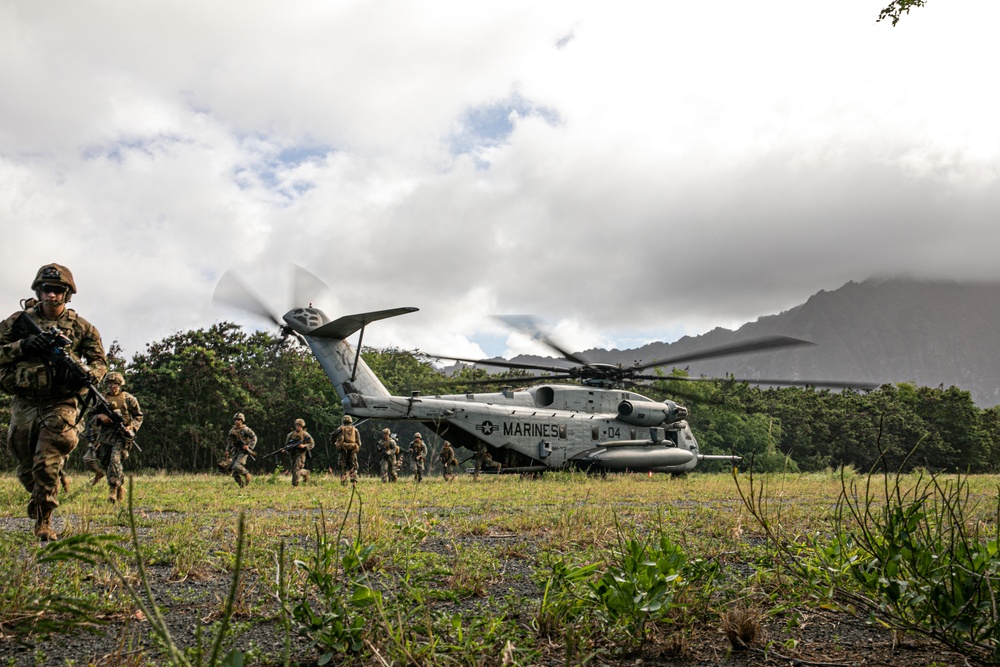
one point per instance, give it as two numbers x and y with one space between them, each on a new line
553 451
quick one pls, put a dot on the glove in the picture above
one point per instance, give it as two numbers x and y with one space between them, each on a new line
35 344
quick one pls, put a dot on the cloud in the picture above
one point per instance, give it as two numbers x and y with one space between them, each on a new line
630 172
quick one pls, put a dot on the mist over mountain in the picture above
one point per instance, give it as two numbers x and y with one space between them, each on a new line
881 330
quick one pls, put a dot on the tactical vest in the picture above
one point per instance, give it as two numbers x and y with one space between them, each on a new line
119 405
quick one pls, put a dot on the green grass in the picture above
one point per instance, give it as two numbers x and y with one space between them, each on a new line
459 568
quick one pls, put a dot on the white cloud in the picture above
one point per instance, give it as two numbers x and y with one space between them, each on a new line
629 171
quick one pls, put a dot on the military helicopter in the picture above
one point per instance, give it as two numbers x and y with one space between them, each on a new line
598 425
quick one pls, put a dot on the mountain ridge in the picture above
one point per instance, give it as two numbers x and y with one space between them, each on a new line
881 330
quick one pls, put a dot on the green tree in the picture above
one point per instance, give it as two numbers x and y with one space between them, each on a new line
895 9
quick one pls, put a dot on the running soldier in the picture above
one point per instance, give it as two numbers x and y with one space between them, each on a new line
303 443
46 405
239 447
389 450
347 441
418 450
448 461
113 445
483 458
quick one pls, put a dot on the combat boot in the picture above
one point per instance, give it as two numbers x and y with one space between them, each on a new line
43 526
121 492
247 479
113 494
65 481
304 476
98 476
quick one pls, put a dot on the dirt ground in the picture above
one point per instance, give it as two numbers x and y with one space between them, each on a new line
800 637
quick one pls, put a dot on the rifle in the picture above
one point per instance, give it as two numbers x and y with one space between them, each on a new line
292 444
77 376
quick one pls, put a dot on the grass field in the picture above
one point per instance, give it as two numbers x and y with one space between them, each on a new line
567 569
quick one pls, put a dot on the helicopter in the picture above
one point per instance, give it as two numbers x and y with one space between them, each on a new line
599 424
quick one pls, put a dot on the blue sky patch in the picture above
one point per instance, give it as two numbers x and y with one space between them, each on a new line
490 125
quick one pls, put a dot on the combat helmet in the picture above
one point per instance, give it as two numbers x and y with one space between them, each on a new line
239 415
347 420
54 274
417 437
115 377
386 431
300 422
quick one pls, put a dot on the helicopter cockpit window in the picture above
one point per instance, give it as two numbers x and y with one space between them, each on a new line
562 431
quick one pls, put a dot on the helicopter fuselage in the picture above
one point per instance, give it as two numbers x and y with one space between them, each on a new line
549 427
544 427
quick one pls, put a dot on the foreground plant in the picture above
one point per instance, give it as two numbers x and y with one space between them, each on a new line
335 593
102 550
912 551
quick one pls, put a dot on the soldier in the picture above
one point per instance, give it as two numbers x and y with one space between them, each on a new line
305 443
110 442
239 446
92 457
46 405
448 461
347 441
389 451
418 450
483 458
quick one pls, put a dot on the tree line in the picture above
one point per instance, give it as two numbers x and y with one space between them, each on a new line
190 385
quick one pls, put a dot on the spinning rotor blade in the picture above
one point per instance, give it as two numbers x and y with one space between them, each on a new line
499 363
826 384
529 325
755 345
500 381
306 287
233 292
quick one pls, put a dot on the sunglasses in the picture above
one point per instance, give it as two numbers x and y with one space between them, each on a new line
52 289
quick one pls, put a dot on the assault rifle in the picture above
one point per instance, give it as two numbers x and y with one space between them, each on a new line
55 351
292 444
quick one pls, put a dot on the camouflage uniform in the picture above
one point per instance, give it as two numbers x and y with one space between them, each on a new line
299 454
448 460
239 446
92 459
347 441
108 441
483 458
389 451
45 411
418 450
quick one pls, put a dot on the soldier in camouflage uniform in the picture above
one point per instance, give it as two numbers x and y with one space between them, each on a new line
92 458
45 410
389 451
239 446
483 458
110 442
418 450
347 441
304 444
448 461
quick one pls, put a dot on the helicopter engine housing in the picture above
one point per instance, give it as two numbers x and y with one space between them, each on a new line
649 413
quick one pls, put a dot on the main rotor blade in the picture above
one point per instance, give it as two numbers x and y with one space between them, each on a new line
233 292
755 345
530 325
499 363
831 384
501 381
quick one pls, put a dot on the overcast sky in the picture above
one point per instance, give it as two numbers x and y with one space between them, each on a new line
629 171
